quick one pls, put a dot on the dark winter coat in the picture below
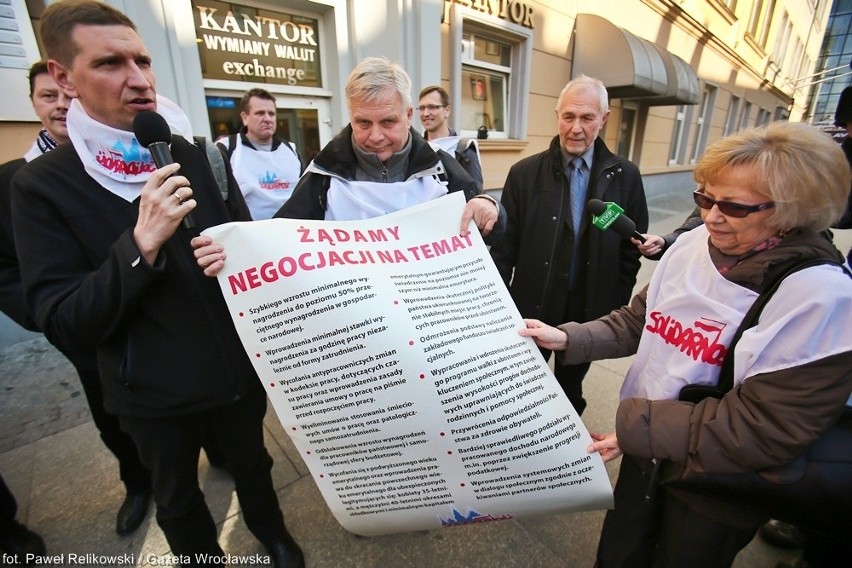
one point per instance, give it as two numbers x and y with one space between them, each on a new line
164 337
534 256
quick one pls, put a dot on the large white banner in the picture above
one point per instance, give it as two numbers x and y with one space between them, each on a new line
389 350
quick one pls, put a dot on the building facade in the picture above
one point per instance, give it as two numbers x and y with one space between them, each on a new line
834 66
681 73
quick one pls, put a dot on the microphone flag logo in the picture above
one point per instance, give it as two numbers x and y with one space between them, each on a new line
604 220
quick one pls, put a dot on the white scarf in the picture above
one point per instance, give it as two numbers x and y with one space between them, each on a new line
113 157
43 144
447 144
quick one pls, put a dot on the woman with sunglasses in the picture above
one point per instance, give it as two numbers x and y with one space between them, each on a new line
766 196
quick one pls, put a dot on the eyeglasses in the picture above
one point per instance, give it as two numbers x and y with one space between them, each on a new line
431 108
730 208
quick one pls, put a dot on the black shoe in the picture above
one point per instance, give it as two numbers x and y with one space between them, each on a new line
132 512
285 553
782 535
19 540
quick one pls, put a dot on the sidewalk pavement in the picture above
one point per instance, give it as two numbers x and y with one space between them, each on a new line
68 489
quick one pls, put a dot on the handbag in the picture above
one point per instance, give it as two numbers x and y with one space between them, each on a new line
814 490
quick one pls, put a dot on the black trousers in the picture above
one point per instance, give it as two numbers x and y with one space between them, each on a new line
133 473
826 551
170 447
570 378
663 531
8 506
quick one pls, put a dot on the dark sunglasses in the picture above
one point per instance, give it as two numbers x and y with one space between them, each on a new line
730 208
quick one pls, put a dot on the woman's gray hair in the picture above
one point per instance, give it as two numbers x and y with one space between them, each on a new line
371 80
587 82
797 166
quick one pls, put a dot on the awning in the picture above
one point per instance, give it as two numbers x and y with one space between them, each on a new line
629 66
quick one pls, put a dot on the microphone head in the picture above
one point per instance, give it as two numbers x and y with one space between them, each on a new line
150 127
611 217
624 226
597 206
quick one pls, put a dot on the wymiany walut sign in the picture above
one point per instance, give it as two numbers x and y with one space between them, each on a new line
242 43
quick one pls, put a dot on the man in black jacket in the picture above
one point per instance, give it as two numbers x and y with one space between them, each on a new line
376 165
51 106
557 265
106 267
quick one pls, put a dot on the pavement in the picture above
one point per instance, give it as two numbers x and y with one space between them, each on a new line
68 489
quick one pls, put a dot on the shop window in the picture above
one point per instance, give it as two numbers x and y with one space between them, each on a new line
487 69
705 114
760 21
733 111
677 148
489 84
781 113
626 129
746 117
779 53
300 126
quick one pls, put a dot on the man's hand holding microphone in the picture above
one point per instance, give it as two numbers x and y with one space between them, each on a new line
166 198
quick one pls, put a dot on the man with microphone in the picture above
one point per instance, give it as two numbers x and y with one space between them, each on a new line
106 266
557 265
51 107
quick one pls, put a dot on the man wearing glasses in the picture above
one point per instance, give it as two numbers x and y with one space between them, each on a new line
434 112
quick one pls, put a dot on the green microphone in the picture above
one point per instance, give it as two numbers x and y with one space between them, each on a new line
610 215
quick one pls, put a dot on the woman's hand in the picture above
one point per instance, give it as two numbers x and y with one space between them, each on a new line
210 255
606 445
545 336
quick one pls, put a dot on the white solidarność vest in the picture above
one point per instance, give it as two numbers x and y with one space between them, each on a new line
348 200
266 179
693 313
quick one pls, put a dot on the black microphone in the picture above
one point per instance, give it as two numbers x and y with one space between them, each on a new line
152 131
611 216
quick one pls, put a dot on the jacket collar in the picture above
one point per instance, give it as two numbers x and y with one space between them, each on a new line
799 245
338 156
603 158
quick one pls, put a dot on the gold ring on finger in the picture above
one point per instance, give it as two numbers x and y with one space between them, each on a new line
176 196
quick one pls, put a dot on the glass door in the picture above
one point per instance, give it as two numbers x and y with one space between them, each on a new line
304 121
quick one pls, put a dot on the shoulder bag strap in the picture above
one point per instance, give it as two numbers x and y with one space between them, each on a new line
217 164
726 375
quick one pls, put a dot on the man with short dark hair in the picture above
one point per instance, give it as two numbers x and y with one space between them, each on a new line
51 106
106 266
266 167
434 109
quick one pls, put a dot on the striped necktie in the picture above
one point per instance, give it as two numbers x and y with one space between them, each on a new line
578 194
578 203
